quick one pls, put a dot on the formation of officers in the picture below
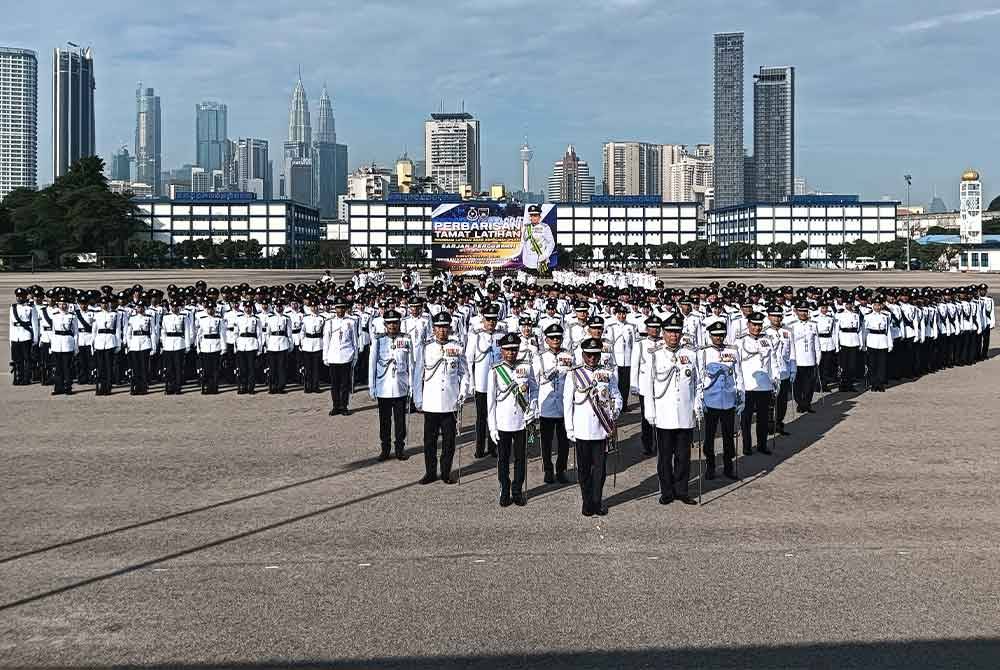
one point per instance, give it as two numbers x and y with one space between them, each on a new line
547 364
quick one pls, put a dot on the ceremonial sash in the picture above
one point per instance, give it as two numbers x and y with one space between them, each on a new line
87 328
584 382
504 376
18 321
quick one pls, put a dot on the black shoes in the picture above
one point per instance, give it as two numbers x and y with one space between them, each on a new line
561 478
520 500
747 451
448 479
429 479
505 499
710 473
480 453
334 412
586 510
666 500
382 456
401 455
729 472
687 500
549 477
345 411
765 450
602 511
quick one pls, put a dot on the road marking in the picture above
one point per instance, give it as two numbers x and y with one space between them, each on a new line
789 555
160 569
364 565
903 553
270 567
479 560
652 558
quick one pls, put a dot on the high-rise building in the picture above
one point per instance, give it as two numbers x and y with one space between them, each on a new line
451 151
750 181
211 133
298 180
73 135
18 120
147 137
526 156
324 158
970 199
252 163
571 180
728 99
404 173
774 133
691 175
121 165
633 168
370 182
201 180
801 186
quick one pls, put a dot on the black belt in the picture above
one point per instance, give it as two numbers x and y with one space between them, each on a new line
211 336
64 333
140 333
296 330
876 332
253 335
279 333
105 331
826 335
181 334
848 330
314 334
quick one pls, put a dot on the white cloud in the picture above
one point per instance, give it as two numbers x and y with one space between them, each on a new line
945 20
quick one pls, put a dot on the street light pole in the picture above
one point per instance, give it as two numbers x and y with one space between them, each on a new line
909 219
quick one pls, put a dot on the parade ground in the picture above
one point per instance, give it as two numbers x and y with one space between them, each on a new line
244 532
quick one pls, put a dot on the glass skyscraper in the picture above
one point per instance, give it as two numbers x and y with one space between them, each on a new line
73 135
18 120
774 133
728 119
147 137
211 135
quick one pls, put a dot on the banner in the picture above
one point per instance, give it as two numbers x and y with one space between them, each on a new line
471 236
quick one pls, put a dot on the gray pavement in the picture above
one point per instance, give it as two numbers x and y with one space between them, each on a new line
251 532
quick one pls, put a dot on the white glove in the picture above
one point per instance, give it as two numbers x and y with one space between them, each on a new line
739 409
634 390
570 436
371 395
495 436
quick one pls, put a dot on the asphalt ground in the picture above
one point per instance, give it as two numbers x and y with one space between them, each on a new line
250 532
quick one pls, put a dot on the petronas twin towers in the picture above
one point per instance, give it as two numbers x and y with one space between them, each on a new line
314 168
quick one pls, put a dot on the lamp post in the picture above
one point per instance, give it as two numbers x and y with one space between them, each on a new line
909 218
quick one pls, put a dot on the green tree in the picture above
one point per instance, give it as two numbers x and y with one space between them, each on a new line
697 253
713 254
673 250
835 254
656 253
376 254
582 254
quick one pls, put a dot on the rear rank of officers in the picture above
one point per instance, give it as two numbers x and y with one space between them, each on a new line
548 367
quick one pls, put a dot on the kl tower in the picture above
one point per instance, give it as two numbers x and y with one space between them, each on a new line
526 155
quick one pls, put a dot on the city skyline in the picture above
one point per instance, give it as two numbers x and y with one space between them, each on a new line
876 91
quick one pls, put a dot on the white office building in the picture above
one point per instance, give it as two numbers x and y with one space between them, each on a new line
818 220
275 224
451 151
18 120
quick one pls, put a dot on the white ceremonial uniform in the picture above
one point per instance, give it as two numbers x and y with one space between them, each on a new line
829 337
481 354
107 331
312 332
277 332
391 367
550 371
340 343
175 332
673 391
759 363
877 331
503 411
28 315
781 340
64 331
849 328
208 334
249 333
806 342
623 335
140 335
581 421
441 377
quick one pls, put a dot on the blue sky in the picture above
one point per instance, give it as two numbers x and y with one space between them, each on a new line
883 88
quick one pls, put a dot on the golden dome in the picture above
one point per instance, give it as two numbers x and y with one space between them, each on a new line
970 175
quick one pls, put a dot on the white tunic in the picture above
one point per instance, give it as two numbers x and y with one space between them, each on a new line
849 327
312 333
64 327
391 365
107 331
578 412
829 338
550 371
140 334
877 331
208 334
642 354
249 333
805 338
27 315
441 377
277 332
340 341
503 407
175 332
481 354
623 334
759 361
673 392
781 340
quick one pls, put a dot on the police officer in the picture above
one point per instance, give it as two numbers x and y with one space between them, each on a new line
512 405
278 344
721 375
209 344
176 337
829 344
391 368
642 356
107 343
340 353
591 406
673 406
441 380
84 339
878 344
760 367
551 367
249 329
806 343
850 331
24 334
781 341
622 334
63 346
141 340
481 354
312 345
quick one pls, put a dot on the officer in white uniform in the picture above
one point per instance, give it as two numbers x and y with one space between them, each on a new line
278 345
623 335
441 381
878 344
63 346
391 369
208 333
829 344
312 345
988 321
806 342
107 343
642 356
760 366
24 336
176 337
141 340
340 352
551 367
673 406
511 406
84 339
721 375
850 329
481 354
781 340
249 346
591 406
